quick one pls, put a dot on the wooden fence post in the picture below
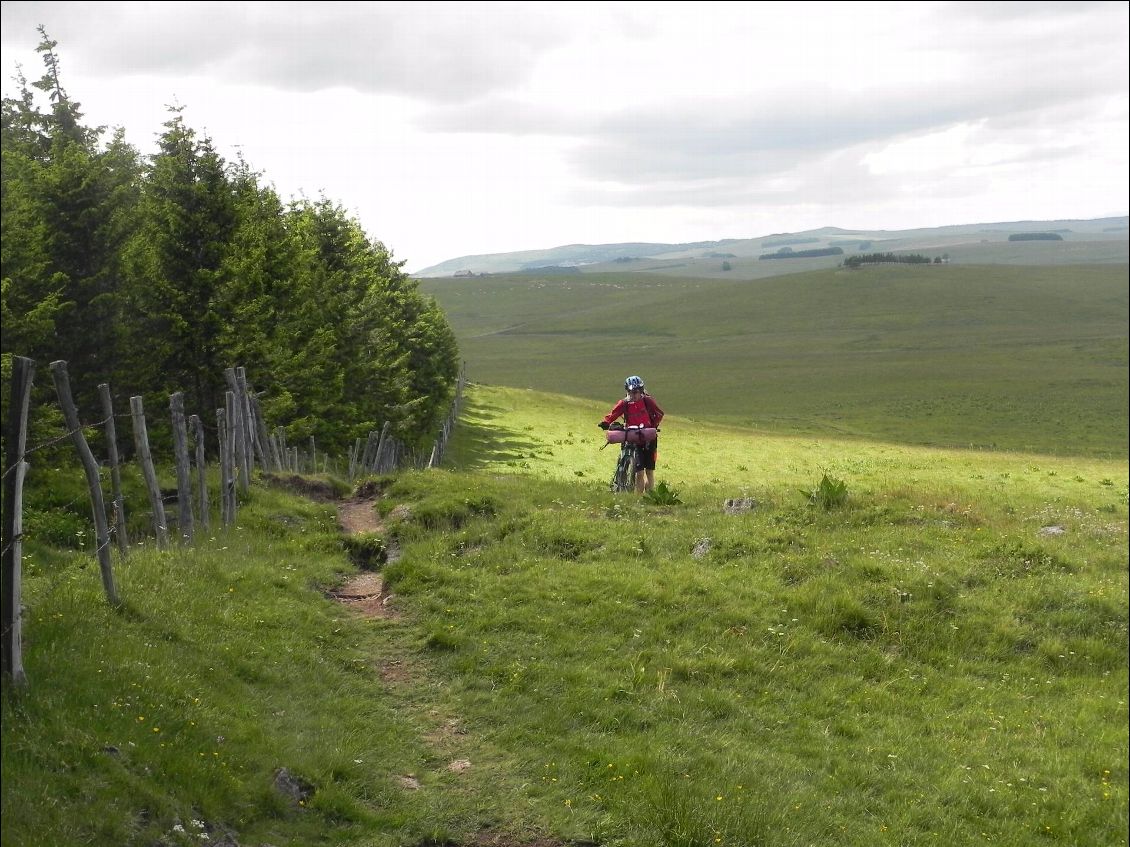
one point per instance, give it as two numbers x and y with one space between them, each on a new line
354 452
185 523
236 430
231 451
249 440
145 459
222 430
115 468
270 455
11 564
201 471
90 466
284 451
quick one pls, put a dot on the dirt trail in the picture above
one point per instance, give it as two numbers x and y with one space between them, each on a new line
365 592
358 516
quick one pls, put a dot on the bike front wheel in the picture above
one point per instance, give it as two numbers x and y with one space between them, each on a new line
625 476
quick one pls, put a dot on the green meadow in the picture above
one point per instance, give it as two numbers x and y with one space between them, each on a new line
880 596
1027 358
940 658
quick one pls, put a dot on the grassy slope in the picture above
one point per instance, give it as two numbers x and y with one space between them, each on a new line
1024 358
920 667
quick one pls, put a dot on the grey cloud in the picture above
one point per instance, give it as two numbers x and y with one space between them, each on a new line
437 51
1006 11
505 116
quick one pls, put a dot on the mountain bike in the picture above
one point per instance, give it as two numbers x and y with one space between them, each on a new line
631 440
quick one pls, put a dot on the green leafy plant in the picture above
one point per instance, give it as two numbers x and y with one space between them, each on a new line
663 495
829 494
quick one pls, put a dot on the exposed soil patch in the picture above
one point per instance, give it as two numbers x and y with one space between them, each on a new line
451 729
358 516
365 594
394 672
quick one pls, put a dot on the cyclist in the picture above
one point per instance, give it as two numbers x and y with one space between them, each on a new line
638 408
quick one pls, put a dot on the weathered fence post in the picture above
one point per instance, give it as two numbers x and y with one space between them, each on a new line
15 468
90 467
201 471
354 452
283 450
222 430
367 454
231 452
185 523
382 446
236 430
249 441
115 468
271 456
145 459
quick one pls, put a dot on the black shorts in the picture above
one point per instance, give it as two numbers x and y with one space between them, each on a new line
646 455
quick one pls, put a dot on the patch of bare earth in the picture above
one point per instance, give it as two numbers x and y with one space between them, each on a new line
394 672
365 594
358 516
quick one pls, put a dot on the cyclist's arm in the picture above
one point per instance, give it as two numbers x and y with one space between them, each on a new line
616 412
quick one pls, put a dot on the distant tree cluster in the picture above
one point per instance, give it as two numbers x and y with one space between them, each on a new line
887 258
1035 236
782 242
788 253
156 274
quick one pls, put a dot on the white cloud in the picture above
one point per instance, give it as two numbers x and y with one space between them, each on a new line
461 128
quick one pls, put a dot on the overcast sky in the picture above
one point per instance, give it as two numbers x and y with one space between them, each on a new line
451 129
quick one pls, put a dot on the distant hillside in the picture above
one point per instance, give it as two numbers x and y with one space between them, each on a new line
707 256
569 255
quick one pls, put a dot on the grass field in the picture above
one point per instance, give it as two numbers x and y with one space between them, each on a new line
993 356
940 659
936 655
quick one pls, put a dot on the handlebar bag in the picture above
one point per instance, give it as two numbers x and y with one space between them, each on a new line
632 436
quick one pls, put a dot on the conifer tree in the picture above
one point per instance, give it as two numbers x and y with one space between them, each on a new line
175 268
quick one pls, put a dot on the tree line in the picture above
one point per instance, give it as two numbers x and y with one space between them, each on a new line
789 253
155 273
885 258
1035 236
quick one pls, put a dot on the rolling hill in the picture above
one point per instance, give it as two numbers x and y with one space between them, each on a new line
991 355
1102 240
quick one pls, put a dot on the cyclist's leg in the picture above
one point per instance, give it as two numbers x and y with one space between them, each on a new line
646 476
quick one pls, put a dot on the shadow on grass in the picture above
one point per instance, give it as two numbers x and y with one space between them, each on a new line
480 441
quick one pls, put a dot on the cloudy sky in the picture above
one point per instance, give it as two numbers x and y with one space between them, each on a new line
451 129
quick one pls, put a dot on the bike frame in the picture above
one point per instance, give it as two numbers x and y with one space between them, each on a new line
624 479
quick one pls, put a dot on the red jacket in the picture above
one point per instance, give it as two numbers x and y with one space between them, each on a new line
643 412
